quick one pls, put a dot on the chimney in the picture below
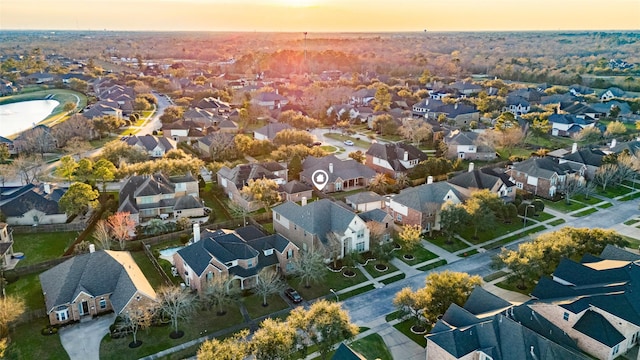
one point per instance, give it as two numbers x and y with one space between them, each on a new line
196 232
614 142
331 168
455 106
92 248
429 179
277 91
574 149
471 166
47 188
406 156
304 200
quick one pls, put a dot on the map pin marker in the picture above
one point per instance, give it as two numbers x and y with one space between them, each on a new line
320 178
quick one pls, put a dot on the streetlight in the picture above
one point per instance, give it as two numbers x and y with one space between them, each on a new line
525 214
334 293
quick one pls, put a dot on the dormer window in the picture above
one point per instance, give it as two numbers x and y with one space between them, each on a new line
268 252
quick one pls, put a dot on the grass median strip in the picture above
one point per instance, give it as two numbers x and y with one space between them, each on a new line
433 265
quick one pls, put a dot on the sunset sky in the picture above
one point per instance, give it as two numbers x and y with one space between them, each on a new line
320 15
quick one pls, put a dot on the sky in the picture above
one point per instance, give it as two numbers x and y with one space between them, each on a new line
320 15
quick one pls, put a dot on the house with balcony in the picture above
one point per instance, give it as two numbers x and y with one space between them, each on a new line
158 195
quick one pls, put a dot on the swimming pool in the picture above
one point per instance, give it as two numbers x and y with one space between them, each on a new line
167 254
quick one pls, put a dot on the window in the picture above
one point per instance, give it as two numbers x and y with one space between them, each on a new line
386 225
399 217
360 234
295 227
277 216
360 246
103 303
209 276
565 316
519 185
62 314
250 263
289 253
616 349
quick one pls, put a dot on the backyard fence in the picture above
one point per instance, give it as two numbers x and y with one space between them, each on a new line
36 268
75 226
154 261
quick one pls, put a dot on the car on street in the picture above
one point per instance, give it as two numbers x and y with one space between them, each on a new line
348 142
293 295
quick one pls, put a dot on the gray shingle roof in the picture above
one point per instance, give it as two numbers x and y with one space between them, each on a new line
612 252
462 138
587 156
377 215
342 169
271 130
393 153
294 187
187 202
481 301
363 198
344 352
475 179
543 167
317 218
241 174
99 273
419 197
31 197
595 326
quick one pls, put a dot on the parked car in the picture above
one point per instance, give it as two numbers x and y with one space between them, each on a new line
293 295
348 142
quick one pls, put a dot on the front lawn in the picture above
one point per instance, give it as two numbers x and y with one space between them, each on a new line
590 200
441 241
515 237
433 265
630 197
556 222
355 292
393 279
335 281
149 271
356 140
614 191
419 254
28 343
371 269
540 217
511 286
28 288
372 347
253 303
405 328
499 229
157 339
562 206
585 212
41 247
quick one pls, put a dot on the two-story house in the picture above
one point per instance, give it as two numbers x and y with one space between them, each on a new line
33 204
544 176
239 254
466 145
517 105
233 180
479 179
568 124
270 100
590 158
157 195
393 159
323 226
154 146
421 205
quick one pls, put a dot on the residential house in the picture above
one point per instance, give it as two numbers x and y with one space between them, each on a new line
421 205
458 113
530 94
9 144
155 146
239 254
339 111
365 201
103 108
270 100
605 108
269 131
228 126
363 97
214 143
180 131
92 284
544 176
33 204
6 246
580 90
568 124
488 327
613 93
393 159
590 158
214 105
202 117
341 175
466 88
580 110
295 191
41 78
148 196
517 105
322 225
421 108
234 180
385 221
632 147
466 145
486 178
595 301
7 87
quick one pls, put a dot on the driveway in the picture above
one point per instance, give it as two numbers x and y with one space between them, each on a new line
82 341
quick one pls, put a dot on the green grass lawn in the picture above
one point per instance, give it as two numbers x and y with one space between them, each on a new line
605 205
355 292
509 239
215 204
540 217
420 254
441 241
585 212
562 206
149 271
632 221
392 316
590 200
372 347
329 148
41 247
157 338
433 265
614 191
28 288
393 279
630 197
556 222
335 281
499 229
28 343
343 194
376 273
511 286
405 328
495 275
254 306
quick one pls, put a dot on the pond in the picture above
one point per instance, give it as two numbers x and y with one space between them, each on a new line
17 117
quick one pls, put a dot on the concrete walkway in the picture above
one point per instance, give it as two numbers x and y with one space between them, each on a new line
82 341
513 297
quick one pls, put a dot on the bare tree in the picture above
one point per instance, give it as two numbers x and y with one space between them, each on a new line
309 267
220 292
177 304
333 248
7 172
28 167
136 319
77 126
122 226
606 175
268 282
37 140
102 234
415 130
572 186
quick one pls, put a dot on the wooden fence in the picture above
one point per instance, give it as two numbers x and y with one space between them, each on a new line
154 261
35 268
75 226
